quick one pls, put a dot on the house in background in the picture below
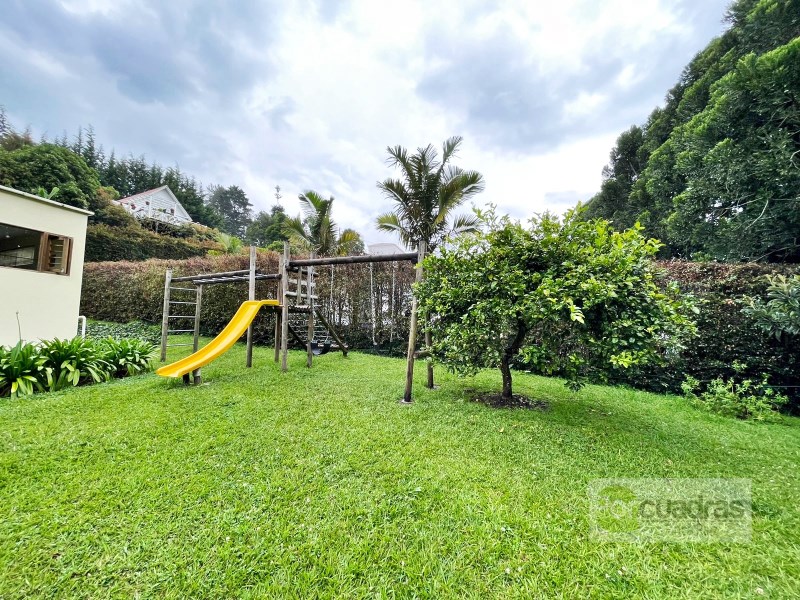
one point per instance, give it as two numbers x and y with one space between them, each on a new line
159 204
41 267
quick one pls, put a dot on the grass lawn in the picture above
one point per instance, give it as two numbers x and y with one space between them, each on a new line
317 483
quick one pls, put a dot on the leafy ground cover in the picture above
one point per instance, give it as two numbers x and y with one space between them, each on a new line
317 483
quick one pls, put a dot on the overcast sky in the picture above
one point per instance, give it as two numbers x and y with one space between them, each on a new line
307 95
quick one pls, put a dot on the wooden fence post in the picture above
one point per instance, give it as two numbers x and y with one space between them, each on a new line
165 315
285 309
251 295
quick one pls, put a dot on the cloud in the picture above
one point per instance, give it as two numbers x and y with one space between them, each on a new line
308 94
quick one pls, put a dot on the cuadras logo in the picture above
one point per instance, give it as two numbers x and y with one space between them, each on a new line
617 509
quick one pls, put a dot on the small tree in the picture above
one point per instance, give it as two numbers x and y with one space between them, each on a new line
565 296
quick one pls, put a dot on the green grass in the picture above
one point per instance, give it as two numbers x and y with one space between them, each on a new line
317 483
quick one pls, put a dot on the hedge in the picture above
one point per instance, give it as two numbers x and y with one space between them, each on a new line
105 243
725 335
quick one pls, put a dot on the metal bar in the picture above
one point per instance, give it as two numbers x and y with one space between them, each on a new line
165 315
181 302
222 274
184 289
196 340
176 345
181 316
348 260
181 330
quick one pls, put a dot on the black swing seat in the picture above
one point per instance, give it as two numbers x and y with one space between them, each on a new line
318 349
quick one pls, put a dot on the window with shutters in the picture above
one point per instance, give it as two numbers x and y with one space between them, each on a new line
22 248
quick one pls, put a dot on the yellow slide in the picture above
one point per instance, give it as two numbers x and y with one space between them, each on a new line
220 344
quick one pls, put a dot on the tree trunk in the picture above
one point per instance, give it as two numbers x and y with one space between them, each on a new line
509 353
505 369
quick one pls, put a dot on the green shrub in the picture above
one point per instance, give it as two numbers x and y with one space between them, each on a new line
74 362
128 356
58 364
101 330
134 242
744 399
22 370
726 335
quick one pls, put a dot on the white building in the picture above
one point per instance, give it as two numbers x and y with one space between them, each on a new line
41 267
159 204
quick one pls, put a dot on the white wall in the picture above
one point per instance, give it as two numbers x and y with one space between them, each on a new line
47 303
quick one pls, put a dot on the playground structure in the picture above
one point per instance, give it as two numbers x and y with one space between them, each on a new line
297 316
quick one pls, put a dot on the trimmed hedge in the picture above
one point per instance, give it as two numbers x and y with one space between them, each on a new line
105 243
725 334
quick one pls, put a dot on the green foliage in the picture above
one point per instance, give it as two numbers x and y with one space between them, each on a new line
317 231
427 193
230 244
57 364
267 228
105 243
780 315
48 166
715 173
726 335
74 362
100 330
22 370
571 297
233 206
743 399
128 356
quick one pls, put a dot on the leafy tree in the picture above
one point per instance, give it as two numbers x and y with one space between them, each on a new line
233 206
48 166
780 314
567 296
317 231
720 159
427 192
267 227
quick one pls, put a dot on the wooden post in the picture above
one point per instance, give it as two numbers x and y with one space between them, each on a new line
281 300
428 345
251 295
165 315
285 308
412 330
310 303
199 298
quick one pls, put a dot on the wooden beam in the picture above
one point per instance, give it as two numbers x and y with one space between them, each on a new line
310 321
285 308
165 315
342 345
199 298
251 295
349 260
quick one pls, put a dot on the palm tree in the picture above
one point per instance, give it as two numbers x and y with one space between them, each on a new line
317 231
427 193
